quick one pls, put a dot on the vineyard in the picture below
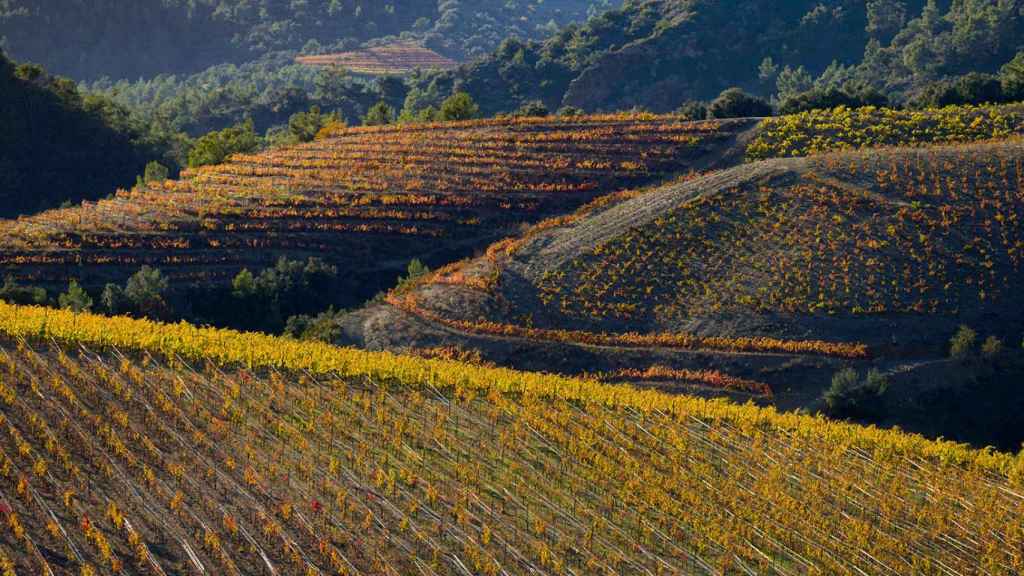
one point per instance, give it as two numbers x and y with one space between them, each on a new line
819 131
359 197
400 58
134 447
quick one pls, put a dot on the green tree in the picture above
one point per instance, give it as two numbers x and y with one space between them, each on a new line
533 108
735 103
215 147
459 106
145 292
1012 77
15 293
155 172
380 114
113 300
75 299
304 126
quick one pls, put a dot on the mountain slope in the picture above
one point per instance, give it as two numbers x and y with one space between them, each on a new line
57 146
131 444
142 38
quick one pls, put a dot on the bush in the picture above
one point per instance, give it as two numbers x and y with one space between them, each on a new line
693 110
992 348
831 98
75 299
215 147
1012 78
848 396
14 293
570 111
973 88
735 103
534 109
961 345
155 172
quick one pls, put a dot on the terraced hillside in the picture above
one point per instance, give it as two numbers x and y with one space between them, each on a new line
780 272
367 199
396 59
133 447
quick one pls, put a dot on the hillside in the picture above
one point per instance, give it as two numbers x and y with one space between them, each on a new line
780 271
44 122
129 445
366 199
142 38
659 54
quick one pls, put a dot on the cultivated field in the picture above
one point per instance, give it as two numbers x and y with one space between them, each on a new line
133 447
397 59
363 198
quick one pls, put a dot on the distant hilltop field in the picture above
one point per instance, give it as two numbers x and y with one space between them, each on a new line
397 59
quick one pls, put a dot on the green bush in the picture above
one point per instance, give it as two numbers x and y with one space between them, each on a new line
849 396
14 293
380 114
735 103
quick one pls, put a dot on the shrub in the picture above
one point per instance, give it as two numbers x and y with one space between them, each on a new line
75 299
535 109
693 110
961 345
735 103
992 348
818 99
570 111
848 396
14 293
155 172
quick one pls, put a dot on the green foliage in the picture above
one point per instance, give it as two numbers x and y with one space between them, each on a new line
961 346
13 293
113 300
379 115
57 145
735 103
155 172
323 327
75 299
972 88
848 396
145 293
215 147
459 106
1012 78
693 110
533 108
289 288
823 99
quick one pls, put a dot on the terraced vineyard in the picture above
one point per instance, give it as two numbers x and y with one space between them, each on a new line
133 447
399 58
360 197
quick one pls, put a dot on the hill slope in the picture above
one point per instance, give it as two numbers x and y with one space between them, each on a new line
44 123
659 54
368 200
142 38
780 271
163 455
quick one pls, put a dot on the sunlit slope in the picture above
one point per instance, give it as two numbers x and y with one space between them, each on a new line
123 449
894 232
361 197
